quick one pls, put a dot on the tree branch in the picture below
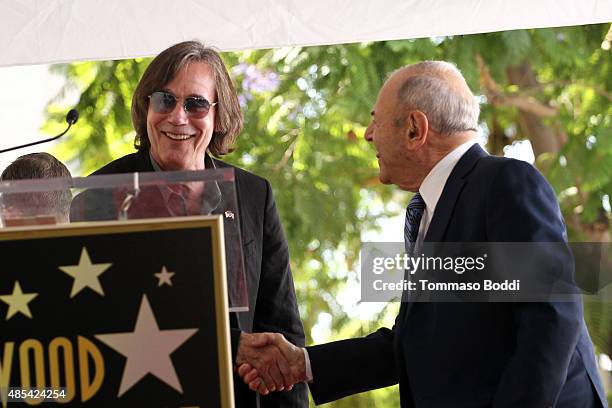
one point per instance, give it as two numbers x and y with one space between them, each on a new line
498 97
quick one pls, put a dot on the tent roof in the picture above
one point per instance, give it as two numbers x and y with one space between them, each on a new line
50 31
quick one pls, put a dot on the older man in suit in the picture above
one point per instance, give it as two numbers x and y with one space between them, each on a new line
466 354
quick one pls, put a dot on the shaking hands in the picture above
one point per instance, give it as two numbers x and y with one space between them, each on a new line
268 362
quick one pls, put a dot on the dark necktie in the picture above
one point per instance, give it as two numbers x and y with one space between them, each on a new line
176 205
414 213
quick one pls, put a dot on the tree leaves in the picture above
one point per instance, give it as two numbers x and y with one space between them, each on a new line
306 109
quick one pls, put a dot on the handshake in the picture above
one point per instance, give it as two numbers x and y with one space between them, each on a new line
268 362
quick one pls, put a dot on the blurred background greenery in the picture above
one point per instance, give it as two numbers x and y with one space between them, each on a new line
306 109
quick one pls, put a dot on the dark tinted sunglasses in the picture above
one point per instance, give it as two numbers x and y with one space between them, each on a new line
195 106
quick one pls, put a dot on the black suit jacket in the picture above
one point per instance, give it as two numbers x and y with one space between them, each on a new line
272 301
472 355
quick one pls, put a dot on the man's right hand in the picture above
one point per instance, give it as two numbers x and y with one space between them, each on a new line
271 363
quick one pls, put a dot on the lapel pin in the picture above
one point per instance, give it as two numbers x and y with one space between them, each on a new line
229 214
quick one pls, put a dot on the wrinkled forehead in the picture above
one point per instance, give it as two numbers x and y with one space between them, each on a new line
169 73
196 78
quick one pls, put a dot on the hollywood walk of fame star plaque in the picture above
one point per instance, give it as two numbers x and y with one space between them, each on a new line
121 314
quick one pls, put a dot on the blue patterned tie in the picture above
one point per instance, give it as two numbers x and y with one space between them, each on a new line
414 213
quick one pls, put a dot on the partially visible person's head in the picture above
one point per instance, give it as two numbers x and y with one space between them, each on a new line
423 112
31 204
179 139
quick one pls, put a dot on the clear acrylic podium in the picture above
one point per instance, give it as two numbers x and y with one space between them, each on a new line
116 288
133 196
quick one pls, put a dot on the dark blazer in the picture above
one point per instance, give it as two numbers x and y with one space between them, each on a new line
272 301
472 355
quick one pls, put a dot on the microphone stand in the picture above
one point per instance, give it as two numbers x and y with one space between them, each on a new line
71 119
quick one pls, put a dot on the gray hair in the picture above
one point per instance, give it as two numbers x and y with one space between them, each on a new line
447 108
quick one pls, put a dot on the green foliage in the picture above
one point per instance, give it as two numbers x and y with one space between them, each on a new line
306 110
104 130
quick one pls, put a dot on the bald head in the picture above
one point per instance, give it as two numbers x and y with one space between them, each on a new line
438 89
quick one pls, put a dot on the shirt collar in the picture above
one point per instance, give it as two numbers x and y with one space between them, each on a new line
215 195
433 184
208 162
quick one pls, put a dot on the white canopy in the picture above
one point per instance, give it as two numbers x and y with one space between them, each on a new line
50 31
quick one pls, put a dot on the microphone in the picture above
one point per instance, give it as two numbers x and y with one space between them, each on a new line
71 118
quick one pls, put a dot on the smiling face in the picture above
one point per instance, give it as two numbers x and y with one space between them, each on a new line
399 146
407 144
387 137
179 141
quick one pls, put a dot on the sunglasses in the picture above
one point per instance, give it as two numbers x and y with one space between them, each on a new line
195 106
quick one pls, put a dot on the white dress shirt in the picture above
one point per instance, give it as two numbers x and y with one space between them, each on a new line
433 184
431 190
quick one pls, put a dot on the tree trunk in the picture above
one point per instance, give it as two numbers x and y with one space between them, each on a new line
543 138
